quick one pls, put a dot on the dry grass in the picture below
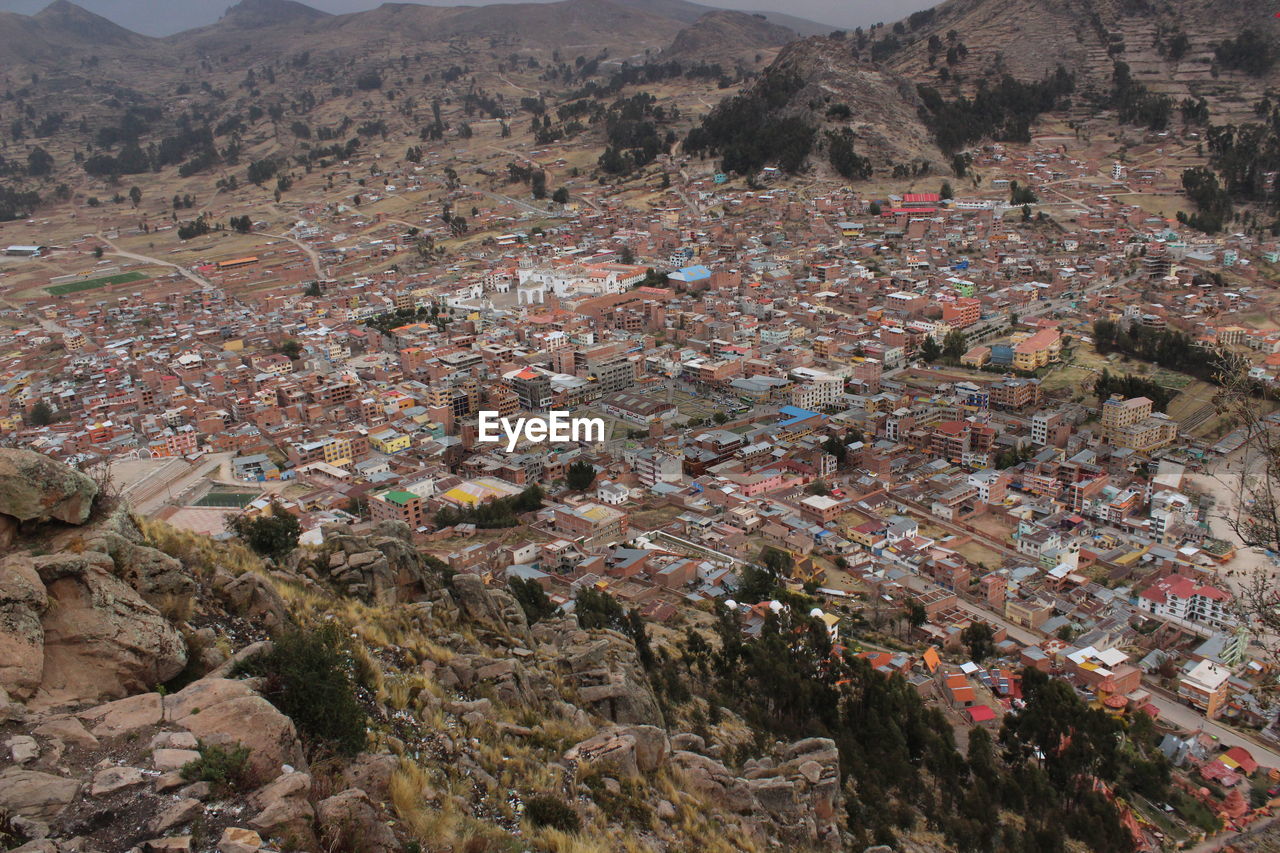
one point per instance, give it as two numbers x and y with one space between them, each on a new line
198 552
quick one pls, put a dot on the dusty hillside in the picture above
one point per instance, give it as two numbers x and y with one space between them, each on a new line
884 108
1169 47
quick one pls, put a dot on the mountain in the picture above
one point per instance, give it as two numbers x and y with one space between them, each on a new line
256 27
59 29
248 14
584 23
683 10
726 37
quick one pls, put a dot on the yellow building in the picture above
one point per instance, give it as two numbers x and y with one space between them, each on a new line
1131 423
389 441
337 451
1038 350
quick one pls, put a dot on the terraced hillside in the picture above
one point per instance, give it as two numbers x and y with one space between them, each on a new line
1169 47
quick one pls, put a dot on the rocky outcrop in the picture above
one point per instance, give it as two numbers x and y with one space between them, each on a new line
251 595
349 821
284 810
23 602
631 751
604 670
797 799
34 487
156 576
382 566
490 607
74 632
101 639
224 711
36 795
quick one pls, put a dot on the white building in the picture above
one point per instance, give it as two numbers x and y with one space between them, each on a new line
1201 607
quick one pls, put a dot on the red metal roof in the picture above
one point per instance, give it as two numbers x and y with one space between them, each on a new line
981 714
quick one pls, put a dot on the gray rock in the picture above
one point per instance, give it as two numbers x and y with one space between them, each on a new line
23 602
101 639
69 730
284 810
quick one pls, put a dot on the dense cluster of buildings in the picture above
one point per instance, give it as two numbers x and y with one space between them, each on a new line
760 375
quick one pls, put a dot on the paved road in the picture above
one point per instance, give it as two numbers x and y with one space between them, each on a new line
1173 711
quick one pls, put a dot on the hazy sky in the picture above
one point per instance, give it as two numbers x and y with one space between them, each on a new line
163 17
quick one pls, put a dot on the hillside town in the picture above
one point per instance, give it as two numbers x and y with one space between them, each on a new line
898 402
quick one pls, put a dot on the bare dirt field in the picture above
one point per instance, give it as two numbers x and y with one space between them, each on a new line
1223 480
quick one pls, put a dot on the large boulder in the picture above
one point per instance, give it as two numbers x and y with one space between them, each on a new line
22 602
285 811
158 577
383 565
224 711
101 639
604 669
34 487
349 821
490 607
251 595
32 794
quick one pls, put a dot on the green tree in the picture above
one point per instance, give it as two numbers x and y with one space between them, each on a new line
39 163
273 535
980 640
953 345
135 195
777 561
290 348
720 417
929 350
580 475
916 614
756 584
946 191
598 609
309 674
41 414
835 447
560 196
532 599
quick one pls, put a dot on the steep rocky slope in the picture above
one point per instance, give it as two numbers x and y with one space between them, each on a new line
143 707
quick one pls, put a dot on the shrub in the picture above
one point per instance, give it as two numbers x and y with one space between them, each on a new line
309 677
224 768
548 811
